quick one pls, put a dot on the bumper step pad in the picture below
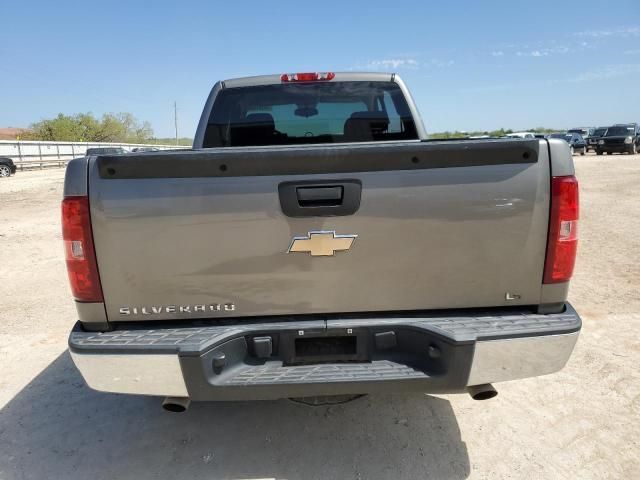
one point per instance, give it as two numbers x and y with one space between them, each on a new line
326 373
195 340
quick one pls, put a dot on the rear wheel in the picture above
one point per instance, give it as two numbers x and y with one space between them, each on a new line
584 151
634 150
572 151
5 171
598 152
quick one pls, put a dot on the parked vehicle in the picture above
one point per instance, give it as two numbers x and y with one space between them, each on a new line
145 149
106 151
621 138
314 242
576 143
521 135
592 142
7 167
586 132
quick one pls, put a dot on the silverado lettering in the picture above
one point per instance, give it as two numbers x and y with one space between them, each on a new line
158 309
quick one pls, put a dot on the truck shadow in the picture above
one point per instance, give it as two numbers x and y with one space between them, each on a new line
56 427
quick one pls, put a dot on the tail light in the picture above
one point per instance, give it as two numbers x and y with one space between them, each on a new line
79 252
563 230
307 77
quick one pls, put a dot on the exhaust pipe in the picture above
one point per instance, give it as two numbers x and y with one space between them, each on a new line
482 392
176 404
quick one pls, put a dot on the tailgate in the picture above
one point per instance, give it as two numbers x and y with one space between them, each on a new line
203 234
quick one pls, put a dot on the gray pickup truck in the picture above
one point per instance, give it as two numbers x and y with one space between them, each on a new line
314 242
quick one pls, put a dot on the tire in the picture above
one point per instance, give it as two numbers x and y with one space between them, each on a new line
634 149
584 151
572 151
598 152
5 171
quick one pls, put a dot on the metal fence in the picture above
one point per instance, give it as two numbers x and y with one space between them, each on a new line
28 154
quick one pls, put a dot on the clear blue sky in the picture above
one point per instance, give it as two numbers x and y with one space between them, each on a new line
471 64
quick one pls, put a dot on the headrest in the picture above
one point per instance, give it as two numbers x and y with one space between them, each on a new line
373 116
258 119
254 129
362 126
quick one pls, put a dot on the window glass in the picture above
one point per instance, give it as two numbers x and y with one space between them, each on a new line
315 112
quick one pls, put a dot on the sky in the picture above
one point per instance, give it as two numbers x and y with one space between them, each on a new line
471 65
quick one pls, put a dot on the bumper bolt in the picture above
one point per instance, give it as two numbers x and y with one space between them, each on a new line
219 360
434 352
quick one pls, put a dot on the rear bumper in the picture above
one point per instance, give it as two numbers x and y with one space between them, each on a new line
391 354
623 147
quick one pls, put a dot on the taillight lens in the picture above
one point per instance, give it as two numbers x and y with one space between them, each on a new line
307 77
79 252
563 230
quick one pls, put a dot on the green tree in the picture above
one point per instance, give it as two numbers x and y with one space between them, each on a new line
90 126
63 127
84 127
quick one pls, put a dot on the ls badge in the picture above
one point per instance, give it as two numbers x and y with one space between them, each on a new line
321 243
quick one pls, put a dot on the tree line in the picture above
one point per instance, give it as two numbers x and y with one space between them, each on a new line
85 127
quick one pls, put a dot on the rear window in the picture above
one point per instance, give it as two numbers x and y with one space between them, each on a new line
304 113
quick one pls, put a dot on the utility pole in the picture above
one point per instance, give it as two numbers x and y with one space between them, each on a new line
175 119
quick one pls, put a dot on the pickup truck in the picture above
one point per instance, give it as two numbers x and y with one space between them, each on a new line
315 243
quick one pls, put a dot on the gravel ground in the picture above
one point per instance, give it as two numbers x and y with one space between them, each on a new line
583 422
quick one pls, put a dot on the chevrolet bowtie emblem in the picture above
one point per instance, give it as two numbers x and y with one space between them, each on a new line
322 243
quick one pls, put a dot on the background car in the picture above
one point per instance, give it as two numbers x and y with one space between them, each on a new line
592 141
521 135
620 138
575 141
145 149
106 151
586 133
7 167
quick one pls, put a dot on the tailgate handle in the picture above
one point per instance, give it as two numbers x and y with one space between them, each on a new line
324 198
329 196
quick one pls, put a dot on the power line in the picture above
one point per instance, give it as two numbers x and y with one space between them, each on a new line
175 119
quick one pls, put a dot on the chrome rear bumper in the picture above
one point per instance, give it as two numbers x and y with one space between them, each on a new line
431 354
502 360
155 374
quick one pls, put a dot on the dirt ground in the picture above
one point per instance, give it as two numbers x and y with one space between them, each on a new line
583 422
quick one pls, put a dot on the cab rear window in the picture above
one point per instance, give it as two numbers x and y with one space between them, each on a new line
305 113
